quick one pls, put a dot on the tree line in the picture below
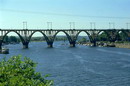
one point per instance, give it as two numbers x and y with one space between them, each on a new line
121 37
102 37
11 39
16 39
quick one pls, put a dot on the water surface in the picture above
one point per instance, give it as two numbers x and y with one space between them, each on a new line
80 66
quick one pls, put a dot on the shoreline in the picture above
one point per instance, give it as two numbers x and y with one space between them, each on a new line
117 45
122 45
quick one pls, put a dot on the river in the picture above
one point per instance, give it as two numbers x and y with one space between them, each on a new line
79 66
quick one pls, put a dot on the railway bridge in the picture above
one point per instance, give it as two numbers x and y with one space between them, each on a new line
72 35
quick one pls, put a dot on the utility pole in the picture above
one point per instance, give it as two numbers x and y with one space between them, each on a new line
92 25
127 25
72 25
111 25
25 25
49 25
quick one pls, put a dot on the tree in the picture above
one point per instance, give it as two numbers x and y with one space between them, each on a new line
15 72
13 39
103 37
123 36
83 40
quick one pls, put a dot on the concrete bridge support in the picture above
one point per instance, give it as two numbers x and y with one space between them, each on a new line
25 45
72 44
93 36
0 44
94 43
50 44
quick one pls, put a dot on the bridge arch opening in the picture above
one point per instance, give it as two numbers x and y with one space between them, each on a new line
61 39
123 36
37 37
83 38
102 36
11 38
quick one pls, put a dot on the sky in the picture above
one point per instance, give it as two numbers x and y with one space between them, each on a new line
61 12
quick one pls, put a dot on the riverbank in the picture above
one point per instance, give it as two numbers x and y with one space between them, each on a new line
122 45
118 45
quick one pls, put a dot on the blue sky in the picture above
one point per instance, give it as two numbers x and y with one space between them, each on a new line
61 12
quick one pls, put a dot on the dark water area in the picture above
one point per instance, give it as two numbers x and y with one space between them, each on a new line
79 66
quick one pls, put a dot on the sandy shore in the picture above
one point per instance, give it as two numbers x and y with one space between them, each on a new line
122 45
118 45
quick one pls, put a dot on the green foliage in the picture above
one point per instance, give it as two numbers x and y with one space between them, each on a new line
37 39
15 72
123 36
83 40
103 37
61 38
119 37
11 39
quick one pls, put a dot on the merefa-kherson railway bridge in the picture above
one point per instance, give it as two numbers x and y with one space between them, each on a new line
72 34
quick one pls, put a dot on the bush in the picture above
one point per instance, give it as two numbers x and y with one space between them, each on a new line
15 72
83 40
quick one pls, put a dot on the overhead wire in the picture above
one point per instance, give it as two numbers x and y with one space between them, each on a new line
60 14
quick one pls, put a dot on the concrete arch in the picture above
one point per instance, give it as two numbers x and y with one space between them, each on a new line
101 31
125 35
21 38
46 38
90 38
68 36
104 37
104 32
124 32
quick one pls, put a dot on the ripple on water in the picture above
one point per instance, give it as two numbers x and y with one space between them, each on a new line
81 66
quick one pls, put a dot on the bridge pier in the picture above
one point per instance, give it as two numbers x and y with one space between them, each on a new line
50 44
0 49
25 45
0 46
94 44
72 44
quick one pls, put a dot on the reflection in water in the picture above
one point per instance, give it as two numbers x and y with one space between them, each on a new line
80 66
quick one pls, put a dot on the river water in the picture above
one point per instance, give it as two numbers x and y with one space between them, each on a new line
80 66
